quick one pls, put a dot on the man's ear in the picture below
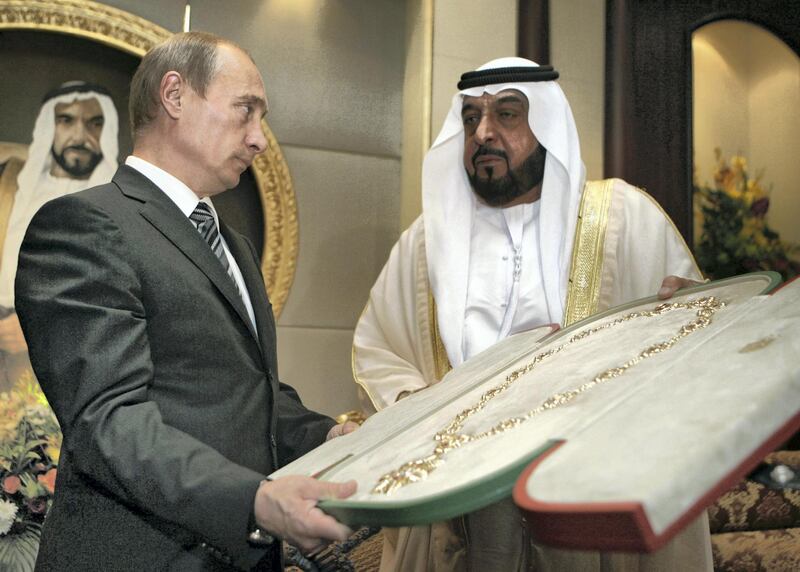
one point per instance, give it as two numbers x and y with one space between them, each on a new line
171 92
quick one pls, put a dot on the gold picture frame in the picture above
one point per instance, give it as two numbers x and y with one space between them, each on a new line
135 35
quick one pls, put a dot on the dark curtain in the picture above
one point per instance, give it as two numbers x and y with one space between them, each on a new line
533 31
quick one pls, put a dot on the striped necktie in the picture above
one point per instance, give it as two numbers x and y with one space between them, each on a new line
204 221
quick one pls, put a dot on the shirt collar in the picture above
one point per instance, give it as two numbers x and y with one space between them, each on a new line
180 194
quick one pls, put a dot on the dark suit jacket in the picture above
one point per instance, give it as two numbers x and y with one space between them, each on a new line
169 402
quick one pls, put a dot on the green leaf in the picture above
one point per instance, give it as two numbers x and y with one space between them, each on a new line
31 487
18 551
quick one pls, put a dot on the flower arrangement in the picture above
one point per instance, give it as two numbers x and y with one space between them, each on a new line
30 442
735 236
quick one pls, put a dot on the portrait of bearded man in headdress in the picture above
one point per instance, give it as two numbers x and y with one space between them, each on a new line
74 146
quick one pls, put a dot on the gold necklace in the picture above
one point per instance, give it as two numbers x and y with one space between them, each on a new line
451 437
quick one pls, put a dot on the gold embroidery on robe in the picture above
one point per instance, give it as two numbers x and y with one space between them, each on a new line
586 268
441 362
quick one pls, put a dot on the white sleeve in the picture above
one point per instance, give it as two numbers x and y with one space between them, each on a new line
391 344
648 248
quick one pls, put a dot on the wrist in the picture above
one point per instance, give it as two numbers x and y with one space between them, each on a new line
256 534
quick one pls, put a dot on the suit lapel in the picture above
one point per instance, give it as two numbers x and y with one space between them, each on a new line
254 281
159 210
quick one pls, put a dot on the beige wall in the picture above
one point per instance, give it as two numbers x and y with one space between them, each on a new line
774 102
417 86
747 101
720 108
577 51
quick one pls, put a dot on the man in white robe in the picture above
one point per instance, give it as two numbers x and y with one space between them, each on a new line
74 146
512 237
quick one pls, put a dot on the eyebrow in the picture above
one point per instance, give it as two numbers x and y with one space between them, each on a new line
67 115
468 107
510 99
256 101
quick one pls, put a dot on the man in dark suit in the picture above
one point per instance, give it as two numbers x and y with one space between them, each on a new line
154 341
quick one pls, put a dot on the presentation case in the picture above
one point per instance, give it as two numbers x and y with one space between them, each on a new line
613 433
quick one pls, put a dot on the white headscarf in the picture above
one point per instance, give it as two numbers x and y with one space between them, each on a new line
32 190
449 202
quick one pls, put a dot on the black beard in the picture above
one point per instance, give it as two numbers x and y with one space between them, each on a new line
77 171
497 192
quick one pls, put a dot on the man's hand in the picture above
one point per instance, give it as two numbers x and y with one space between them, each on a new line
672 284
11 339
287 508
341 429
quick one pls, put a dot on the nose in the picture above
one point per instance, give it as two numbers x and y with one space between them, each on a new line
485 131
78 133
256 140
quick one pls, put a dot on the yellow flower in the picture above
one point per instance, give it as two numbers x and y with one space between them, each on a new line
733 191
738 164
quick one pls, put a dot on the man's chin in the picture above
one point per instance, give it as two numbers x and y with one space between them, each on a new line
490 172
232 182
78 170
496 192
77 164
82 167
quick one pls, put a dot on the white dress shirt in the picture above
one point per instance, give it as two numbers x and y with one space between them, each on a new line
185 199
504 288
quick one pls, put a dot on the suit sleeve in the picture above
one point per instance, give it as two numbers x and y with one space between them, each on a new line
299 429
80 304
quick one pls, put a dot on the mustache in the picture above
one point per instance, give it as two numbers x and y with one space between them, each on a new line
77 148
482 150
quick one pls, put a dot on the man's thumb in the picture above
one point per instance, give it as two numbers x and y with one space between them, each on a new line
330 490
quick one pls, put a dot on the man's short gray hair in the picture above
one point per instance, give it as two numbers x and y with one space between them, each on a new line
192 54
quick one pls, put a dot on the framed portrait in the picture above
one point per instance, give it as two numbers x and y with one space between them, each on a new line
49 43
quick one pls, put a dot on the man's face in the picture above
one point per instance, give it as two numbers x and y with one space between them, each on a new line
221 133
76 140
503 159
